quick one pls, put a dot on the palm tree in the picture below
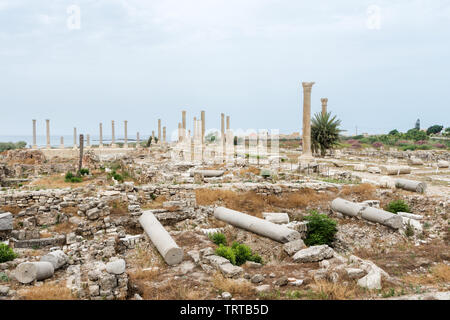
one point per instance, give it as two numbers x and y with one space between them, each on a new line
324 132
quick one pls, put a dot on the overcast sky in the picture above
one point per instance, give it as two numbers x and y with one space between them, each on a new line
381 64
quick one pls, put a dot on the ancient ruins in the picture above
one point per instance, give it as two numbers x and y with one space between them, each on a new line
215 215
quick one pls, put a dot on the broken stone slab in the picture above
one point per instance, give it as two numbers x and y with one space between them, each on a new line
39 243
355 273
207 173
413 223
230 271
413 161
262 288
373 170
368 213
166 246
57 258
293 246
275 217
215 260
442 164
184 268
259 226
359 167
27 272
6 221
371 281
411 185
116 267
314 254
410 215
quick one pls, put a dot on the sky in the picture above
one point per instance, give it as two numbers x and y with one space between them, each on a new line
381 64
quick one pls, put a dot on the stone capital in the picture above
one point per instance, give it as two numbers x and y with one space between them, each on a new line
324 100
307 85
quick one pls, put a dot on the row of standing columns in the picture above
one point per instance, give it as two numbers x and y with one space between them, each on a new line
113 139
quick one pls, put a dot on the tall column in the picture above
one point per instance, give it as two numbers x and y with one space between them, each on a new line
126 133
180 127
159 131
34 135
183 114
101 136
164 135
88 141
324 105
153 136
228 122
138 141
47 123
62 143
195 127
203 125
113 135
306 138
74 137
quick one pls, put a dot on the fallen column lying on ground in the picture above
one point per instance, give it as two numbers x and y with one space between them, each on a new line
392 170
415 161
259 226
207 173
410 215
57 258
162 240
276 217
368 213
411 185
27 272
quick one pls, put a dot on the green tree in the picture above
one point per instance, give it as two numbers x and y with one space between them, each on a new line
324 132
149 142
417 124
416 135
434 129
394 132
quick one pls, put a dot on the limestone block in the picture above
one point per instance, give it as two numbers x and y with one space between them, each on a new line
314 254
6 221
276 217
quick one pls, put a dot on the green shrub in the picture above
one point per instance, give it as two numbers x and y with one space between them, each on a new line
6 253
84 171
71 178
321 229
238 254
397 206
227 253
115 175
218 238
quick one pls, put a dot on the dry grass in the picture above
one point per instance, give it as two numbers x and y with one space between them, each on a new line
65 227
146 256
118 207
172 290
334 291
45 234
363 191
57 181
254 204
248 202
70 210
155 204
250 169
48 291
143 274
12 209
439 274
242 288
299 199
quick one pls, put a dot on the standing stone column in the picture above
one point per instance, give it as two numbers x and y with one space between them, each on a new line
126 133
47 122
62 143
180 127
34 134
138 141
164 135
159 131
88 141
153 136
228 122
324 105
75 138
183 125
113 135
203 124
306 138
195 128
101 136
